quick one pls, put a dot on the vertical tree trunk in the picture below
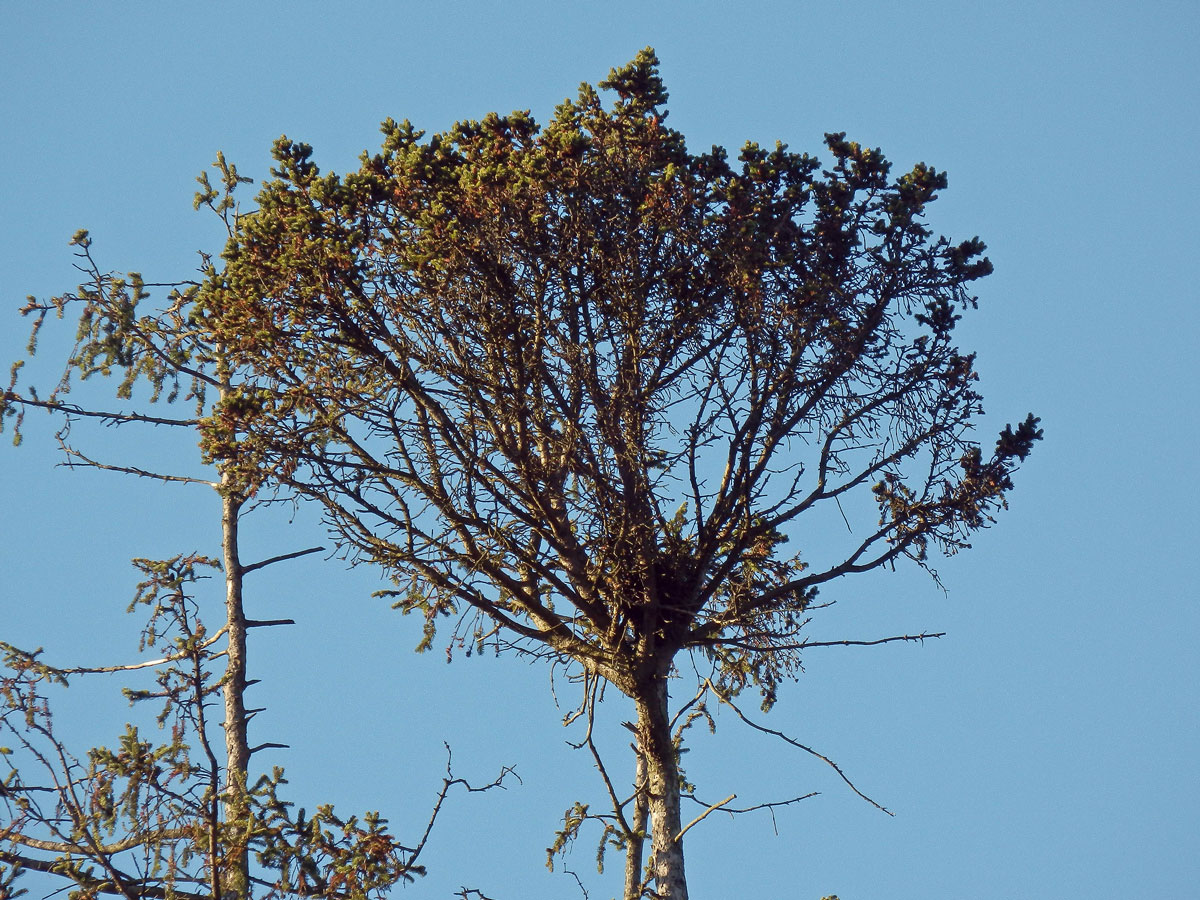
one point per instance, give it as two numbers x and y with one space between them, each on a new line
662 783
237 749
637 823
236 878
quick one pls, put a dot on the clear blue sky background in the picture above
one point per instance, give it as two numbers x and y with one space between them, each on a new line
1047 747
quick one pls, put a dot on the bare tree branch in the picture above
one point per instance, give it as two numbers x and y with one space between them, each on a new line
713 808
281 558
117 417
809 750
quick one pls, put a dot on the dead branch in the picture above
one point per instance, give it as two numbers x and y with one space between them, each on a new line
805 645
448 783
783 737
713 808
108 416
277 559
78 460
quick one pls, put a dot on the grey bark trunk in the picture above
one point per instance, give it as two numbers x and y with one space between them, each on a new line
237 750
637 824
662 791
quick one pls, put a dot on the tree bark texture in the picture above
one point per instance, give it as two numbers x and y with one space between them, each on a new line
237 749
637 824
662 789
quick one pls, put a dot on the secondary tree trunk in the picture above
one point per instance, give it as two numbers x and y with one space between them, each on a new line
662 789
235 878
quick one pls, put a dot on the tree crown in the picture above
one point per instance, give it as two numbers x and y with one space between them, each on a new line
584 382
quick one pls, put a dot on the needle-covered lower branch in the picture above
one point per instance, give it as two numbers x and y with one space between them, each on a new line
151 817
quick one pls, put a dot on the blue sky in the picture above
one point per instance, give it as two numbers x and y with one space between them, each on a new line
1046 747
